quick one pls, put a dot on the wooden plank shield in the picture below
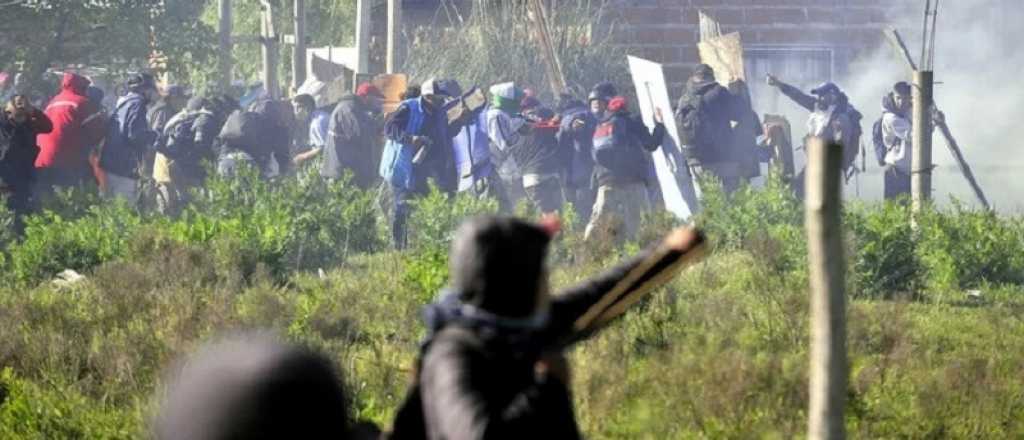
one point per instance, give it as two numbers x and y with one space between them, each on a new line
725 55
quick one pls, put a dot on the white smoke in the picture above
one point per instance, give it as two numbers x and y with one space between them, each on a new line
978 61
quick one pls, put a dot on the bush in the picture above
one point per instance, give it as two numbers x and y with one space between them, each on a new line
495 44
964 248
54 243
883 260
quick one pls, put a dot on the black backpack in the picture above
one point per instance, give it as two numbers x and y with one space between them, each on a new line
180 136
693 123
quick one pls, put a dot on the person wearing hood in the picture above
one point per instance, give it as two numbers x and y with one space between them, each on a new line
706 113
576 141
354 136
492 363
20 124
419 151
896 137
78 126
621 171
832 118
525 138
254 386
129 137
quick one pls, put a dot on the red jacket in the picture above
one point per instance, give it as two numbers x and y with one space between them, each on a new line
77 126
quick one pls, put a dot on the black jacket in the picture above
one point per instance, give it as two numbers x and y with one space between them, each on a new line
479 384
353 138
721 108
636 168
17 162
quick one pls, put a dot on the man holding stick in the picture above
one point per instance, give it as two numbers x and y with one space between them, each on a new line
492 365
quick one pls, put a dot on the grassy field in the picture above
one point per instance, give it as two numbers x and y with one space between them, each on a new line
719 353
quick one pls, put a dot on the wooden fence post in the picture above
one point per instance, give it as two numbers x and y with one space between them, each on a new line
828 369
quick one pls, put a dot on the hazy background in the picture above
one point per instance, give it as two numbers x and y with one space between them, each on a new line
978 59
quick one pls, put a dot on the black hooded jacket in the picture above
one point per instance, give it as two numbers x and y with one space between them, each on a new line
478 382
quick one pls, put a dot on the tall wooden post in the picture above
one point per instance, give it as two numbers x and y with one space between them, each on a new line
224 49
299 49
394 61
363 35
823 206
921 161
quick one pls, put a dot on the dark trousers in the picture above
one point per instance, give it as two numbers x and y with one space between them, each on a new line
582 198
897 183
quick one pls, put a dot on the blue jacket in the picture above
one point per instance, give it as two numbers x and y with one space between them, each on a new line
128 137
439 162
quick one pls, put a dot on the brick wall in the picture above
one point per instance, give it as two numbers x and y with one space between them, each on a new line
667 31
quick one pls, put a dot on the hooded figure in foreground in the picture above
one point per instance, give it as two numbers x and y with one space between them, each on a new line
255 387
492 364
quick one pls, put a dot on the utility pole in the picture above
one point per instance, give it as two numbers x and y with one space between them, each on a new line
363 35
924 106
268 50
829 369
224 33
921 161
299 49
394 35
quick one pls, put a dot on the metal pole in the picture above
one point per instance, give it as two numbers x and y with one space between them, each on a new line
224 31
394 35
921 162
299 50
828 367
363 36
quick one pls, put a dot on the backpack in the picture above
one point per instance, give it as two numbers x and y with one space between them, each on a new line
180 135
850 152
396 159
693 123
613 146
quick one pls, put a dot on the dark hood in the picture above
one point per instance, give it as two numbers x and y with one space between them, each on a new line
497 264
75 83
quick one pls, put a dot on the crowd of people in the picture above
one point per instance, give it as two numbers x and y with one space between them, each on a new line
593 153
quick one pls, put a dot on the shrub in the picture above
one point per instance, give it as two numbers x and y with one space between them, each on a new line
53 243
882 257
495 44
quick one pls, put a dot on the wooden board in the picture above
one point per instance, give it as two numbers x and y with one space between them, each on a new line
392 86
725 55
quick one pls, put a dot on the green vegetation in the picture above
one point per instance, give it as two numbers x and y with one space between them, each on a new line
720 353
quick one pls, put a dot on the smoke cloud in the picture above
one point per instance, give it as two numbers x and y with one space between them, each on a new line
978 61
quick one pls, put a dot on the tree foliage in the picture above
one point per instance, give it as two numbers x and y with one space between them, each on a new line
116 35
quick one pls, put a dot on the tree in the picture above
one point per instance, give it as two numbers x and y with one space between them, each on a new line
117 35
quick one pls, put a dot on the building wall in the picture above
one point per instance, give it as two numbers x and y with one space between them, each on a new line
667 31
